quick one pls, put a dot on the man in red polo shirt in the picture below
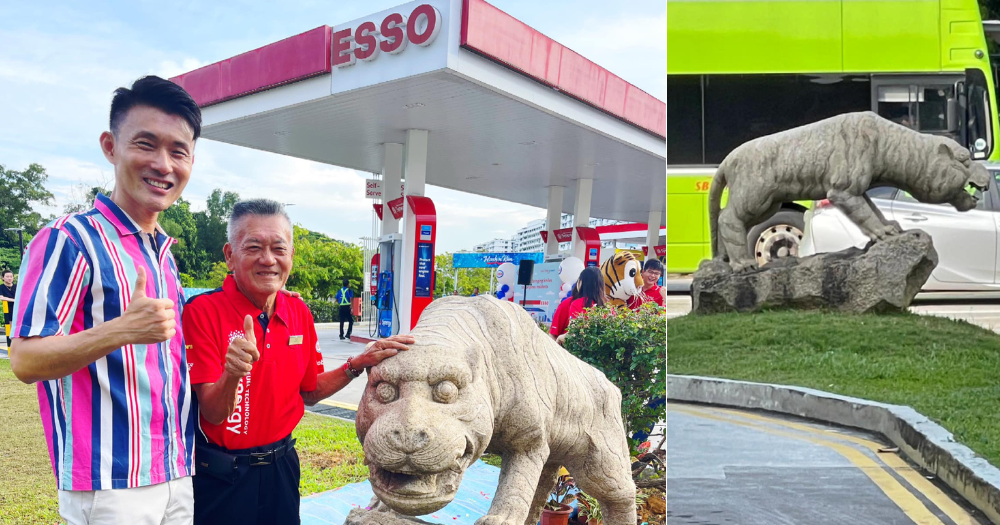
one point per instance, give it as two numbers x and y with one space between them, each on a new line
651 272
255 362
651 292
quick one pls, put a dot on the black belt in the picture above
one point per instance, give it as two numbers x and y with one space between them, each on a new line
259 459
251 457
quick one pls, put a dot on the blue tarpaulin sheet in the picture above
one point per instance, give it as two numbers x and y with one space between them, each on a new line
475 495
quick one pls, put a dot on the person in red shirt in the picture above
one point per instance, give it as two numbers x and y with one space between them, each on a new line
560 318
587 292
651 292
651 272
254 364
591 292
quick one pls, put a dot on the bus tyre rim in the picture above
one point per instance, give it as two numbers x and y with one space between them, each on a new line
777 242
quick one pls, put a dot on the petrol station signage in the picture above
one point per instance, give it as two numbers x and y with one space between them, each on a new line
366 41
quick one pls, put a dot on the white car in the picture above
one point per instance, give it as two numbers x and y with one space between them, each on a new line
966 242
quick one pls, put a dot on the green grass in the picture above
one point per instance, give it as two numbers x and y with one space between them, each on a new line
27 485
491 459
329 453
947 370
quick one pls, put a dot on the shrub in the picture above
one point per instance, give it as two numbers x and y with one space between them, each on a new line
631 349
323 311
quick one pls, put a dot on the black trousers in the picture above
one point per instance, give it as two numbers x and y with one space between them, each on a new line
346 315
7 318
262 495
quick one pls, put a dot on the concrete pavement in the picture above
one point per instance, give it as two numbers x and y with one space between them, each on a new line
728 466
335 353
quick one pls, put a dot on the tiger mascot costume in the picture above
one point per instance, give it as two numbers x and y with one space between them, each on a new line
622 279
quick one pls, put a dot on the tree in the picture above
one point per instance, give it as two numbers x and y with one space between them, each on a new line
217 275
85 202
10 259
22 191
179 223
320 263
211 236
468 278
444 281
990 10
220 205
471 278
83 196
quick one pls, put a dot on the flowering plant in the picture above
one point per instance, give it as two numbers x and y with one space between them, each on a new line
631 349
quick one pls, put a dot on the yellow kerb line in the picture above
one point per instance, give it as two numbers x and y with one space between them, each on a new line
339 404
954 511
899 495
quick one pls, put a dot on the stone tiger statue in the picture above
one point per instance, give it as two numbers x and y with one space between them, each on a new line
839 159
482 377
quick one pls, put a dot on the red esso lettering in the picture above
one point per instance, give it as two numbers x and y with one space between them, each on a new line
421 28
393 34
366 45
342 55
423 25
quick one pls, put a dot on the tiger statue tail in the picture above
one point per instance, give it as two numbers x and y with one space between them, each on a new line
714 208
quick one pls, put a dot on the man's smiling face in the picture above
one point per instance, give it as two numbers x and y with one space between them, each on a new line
260 255
152 152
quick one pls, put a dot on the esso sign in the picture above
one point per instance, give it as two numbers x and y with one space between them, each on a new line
366 41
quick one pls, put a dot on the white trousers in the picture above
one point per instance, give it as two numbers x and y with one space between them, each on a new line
170 503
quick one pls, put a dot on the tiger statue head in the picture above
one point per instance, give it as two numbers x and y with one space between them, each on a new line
622 278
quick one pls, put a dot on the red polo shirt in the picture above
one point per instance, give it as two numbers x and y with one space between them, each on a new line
656 294
268 404
560 318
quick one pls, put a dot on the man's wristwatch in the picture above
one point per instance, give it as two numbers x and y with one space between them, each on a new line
350 370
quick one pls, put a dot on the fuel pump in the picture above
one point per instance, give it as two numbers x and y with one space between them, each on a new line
386 303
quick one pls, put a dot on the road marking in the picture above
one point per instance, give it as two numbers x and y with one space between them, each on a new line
339 404
895 491
954 511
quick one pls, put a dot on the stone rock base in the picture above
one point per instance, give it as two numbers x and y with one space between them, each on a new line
380 514
883 277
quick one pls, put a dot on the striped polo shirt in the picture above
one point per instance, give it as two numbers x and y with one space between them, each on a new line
125 420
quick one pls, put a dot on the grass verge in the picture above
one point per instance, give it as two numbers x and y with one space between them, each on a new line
329 453
946 370
27 485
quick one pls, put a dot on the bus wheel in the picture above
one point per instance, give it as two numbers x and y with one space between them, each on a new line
776 238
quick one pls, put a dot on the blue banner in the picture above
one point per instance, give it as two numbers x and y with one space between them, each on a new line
492 260
425 270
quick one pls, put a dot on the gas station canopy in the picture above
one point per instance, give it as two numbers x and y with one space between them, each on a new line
508 111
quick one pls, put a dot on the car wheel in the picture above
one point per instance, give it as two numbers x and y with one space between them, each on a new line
777 237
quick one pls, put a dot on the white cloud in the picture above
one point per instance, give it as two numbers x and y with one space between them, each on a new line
171 68
57 79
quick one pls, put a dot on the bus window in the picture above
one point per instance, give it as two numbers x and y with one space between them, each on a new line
933 111
899 104
684 144
740 108
921 107
978 114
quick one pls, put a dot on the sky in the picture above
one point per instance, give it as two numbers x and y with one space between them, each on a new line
61 61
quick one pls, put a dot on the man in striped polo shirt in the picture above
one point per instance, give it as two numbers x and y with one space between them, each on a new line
97 326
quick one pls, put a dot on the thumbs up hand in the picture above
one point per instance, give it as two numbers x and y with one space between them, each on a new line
242 352
147 321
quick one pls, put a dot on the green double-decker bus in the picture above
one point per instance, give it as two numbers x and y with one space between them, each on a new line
738 70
